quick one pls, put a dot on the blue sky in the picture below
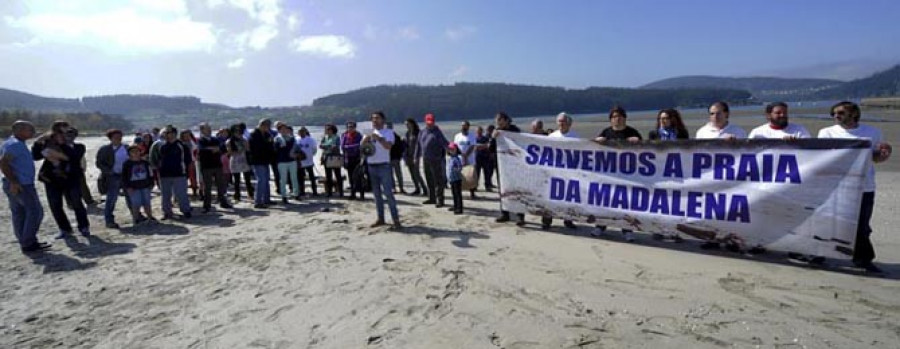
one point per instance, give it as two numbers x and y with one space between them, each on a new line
284 52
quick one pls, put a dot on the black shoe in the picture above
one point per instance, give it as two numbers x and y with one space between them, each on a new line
428 202
817 261
206 210
457 212
415 193
112 225
40 246
451 208
869 267
187 215
260 206
439 205
225 205
710 245
520 222
298 198
569 224
284 201
502 219
544 226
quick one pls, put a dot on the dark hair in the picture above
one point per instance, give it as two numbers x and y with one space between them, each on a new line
380 113
855 112
722 105
235 131
676 120
617 109
413 126
771 106
331 127
502 115
134 147
111 132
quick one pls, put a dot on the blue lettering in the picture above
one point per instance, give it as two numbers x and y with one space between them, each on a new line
640 198
606 162
660 202
532 150
748 169
673 166
724 168
693 204
676 204
715 206
557 188
788 170
701 161
573 192
627 163
546 157
620 197
559 158
648 168
767 167
587 160
599 194
572 158
739 209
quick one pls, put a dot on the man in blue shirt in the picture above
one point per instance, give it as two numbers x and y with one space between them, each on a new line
18 184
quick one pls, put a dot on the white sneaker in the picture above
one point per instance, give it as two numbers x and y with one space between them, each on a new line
629 236
598 231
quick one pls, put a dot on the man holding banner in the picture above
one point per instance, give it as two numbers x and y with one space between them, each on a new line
564 130
777 126
718 126
846 117
504 123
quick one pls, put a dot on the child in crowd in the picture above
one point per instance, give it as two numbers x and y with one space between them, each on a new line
137 181
454 176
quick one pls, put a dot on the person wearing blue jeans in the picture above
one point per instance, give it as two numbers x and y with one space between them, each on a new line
379 163
110 159
262 146
173 162
18 170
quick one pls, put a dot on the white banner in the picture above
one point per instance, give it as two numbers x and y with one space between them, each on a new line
796 196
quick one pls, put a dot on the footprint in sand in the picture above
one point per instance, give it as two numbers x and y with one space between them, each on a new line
277 313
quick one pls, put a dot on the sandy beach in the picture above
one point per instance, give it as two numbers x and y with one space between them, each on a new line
313 275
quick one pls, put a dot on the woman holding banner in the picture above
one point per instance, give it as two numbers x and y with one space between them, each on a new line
669 127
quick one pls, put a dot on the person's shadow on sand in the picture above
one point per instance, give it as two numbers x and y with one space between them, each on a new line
160 228
96 247
462 237
54 263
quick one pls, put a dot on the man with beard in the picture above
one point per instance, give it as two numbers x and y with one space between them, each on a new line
778 126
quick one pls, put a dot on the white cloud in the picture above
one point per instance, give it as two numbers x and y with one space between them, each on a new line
324 46
264 11
458 33
138 26
293 22
408 33
256 39
235 64
459 72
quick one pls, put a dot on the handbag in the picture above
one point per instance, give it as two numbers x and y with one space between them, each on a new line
334 161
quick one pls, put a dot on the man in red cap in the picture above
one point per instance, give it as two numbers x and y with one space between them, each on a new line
432 149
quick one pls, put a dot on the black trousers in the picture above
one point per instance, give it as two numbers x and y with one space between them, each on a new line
351 164
418 182
211 175
435 177
332 179
864 252
456 190
72 195
485 168
307 172
236 177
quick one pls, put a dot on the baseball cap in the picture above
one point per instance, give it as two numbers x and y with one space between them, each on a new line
453 146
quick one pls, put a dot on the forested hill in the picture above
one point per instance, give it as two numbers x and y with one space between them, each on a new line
11 100
110 104
764 88
478 100
882 84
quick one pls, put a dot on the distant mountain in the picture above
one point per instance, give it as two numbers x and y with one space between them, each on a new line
11 99
478 100
763 88
883 84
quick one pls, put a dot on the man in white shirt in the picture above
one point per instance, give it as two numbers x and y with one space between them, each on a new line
466 141
380 169
846 117
718 126
564 130
778 126
306 144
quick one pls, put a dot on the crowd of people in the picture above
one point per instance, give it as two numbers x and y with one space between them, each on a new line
371 162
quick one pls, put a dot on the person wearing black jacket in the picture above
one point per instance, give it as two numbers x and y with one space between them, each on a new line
397 151
262 147
504 123
210 157
409 156
61 173
174 159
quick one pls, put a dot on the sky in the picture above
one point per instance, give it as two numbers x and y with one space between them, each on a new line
289 52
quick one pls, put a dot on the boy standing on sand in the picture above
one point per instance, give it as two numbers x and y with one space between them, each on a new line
137 181
454 176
